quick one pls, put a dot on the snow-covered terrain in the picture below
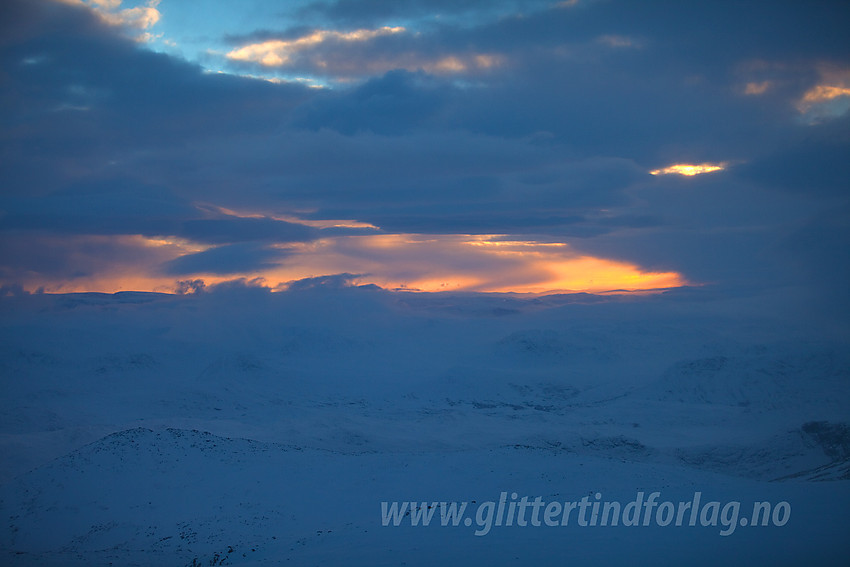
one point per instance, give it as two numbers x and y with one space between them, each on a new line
241 427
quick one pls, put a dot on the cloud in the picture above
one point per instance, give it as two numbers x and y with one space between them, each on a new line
813 163
280 52
392 104
757 88
336 55
531 121
371 12
689 169
828 99
123 206
242 258
618 41
468 263
233 230
110 12
101 206
84 262
332 282
190 286
818 250
238 289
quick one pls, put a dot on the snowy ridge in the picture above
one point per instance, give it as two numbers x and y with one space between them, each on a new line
187 497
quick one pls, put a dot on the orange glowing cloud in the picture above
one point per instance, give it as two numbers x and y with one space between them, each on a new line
321 51
590 274
829 98
102 263
755 89
822 93
468 263
277 52
141 17
553 266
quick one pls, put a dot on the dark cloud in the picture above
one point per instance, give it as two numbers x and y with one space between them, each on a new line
122 206
816 163
382 12
12 290
230 230
79 99
394 104
99 206
820 252
190 286
72 257
677 68
488 222
228 259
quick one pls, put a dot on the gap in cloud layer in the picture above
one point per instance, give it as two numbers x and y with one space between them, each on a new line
412 262
689 169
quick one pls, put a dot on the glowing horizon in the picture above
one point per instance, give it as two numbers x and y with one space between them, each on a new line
411 262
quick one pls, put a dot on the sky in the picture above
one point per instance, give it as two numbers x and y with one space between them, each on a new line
432 145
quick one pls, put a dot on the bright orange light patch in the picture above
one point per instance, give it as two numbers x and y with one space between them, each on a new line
599 275
482 263
688 169
449 283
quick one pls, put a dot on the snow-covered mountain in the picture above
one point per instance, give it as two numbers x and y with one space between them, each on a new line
242 427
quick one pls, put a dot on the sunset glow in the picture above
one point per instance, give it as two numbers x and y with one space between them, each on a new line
433 156
412 262
688 169
267 267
